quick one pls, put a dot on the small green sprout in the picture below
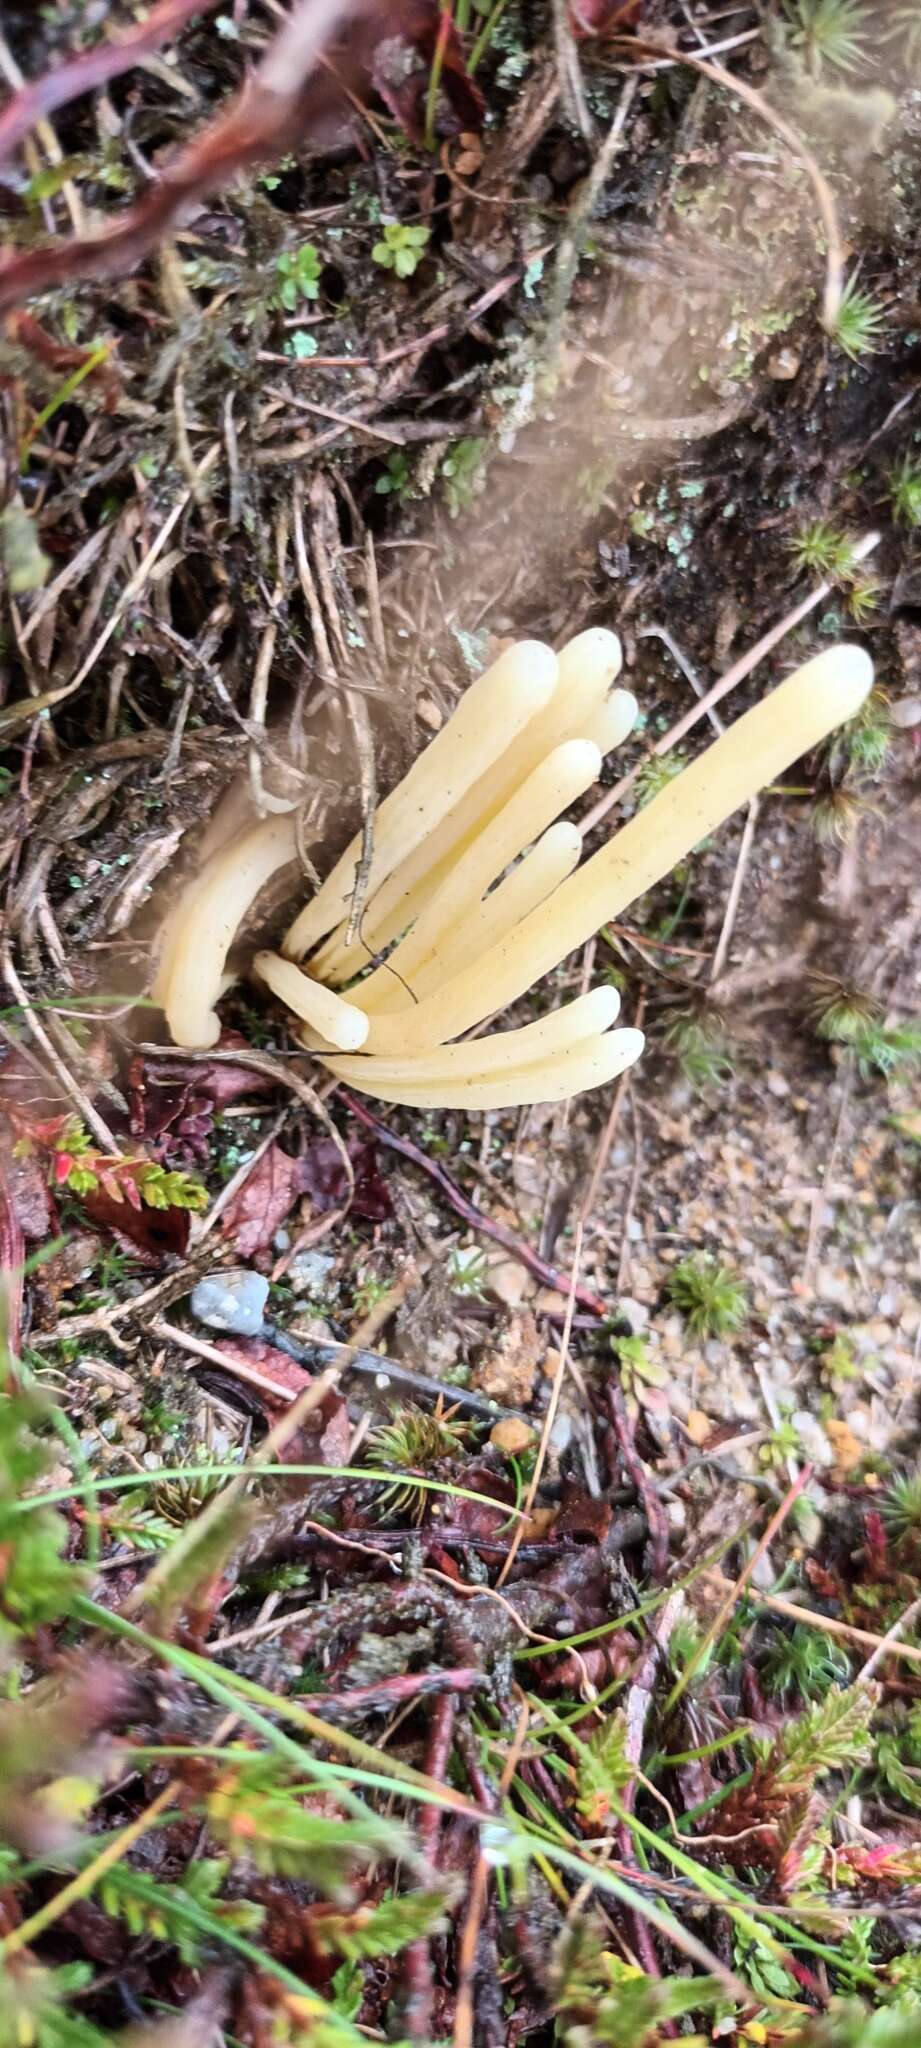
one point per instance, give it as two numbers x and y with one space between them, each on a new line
824 549
638 1372
843 1015
368 1294
400 248
414 1442
656 774
905 484
807 1663
863 597
859 322
849 1018
837 1363
828 33
468 1272
902 1505
782 1444
299 274
701 1048
710 1296
861 747
462 471
396 478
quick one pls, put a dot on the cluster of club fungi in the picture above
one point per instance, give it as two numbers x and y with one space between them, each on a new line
474 891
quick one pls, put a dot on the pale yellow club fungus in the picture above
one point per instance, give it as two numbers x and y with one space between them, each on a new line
587 669
483 918
555 1057
534 878
565 774
205 923
487 720
336 1022
795 717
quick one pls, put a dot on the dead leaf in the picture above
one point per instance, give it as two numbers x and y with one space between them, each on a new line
603 17
153 1234
260 1206
326 1183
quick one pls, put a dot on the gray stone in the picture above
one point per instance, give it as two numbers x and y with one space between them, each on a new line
234 1301
309 1272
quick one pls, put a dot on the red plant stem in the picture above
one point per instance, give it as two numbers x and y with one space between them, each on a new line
274 110
92 68
548 1275
633 1464
417 1961
394 1692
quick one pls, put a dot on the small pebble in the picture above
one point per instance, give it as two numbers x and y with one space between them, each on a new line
783 365
511 1436
309 1272
906 712
233 1301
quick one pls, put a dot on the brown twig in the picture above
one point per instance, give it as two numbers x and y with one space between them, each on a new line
827 1623
656 1517
267 117
479 1886
550 1416
736 674
735 1592
548 1275
417 1961
92 68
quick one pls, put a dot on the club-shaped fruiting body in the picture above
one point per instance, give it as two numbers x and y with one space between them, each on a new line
474 873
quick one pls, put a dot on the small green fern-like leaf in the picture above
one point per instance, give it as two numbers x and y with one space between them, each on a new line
603 1768
271 1827
188 1915
834 1733
34 2009
384 1929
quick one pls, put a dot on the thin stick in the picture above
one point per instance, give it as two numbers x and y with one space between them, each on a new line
735 894
81 1886
829 1626
470 1932
550 1417
892 1636
69 1082
735 1592
736 674
90 69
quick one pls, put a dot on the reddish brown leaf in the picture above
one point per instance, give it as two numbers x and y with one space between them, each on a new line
260 1206
173 1101
289 97
92 68
402 69
153 1233
603 17
325 1434
326 1183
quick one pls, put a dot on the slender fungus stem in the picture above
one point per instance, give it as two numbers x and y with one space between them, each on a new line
339 1022
488 717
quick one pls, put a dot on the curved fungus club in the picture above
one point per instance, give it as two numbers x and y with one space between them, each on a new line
475 877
